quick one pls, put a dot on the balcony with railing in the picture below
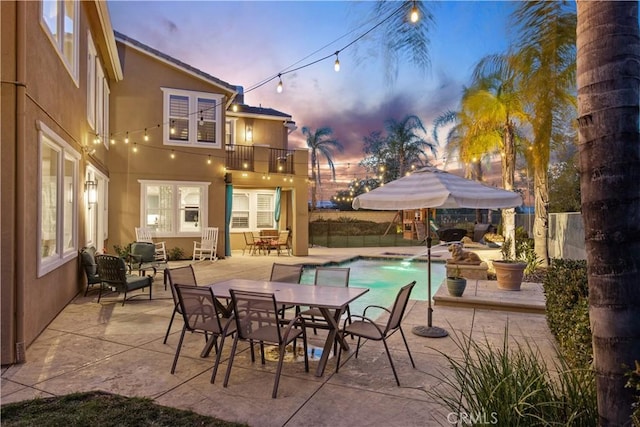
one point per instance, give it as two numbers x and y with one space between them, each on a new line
253 158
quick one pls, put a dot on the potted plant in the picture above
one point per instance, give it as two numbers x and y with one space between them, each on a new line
509 271
456 284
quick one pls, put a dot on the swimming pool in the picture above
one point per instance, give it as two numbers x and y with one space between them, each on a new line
384 277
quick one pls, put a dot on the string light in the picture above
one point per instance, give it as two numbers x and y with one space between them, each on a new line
96 139
146 136
135 147
209 160
173 154
415 15
288 70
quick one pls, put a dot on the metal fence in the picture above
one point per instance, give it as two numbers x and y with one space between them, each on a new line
352 233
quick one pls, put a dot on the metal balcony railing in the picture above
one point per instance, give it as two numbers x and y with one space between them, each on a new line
242 157
281 161
239 157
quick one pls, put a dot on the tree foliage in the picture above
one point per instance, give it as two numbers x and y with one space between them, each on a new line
401 149
320 144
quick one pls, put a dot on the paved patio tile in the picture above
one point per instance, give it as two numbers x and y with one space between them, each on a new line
119 349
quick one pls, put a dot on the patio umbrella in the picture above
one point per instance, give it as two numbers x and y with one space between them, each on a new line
433 188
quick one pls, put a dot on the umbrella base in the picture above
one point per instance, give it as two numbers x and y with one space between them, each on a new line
429 331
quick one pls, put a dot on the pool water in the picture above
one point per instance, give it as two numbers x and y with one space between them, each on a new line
384 278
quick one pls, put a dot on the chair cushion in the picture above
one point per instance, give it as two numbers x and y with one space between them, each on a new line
137 282
143 251
87 256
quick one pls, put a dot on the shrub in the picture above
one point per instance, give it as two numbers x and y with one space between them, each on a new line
122 251
175 254
567 295
514 387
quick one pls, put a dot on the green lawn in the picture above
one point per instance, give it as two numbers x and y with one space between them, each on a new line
101 409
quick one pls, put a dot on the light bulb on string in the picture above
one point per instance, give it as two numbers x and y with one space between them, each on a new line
173 154
126 138
336 65
172 130
209 160
146 135
415 15
201 122
135 147
279 87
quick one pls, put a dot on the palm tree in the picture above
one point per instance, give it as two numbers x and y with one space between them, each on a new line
399 150
488 122
608 41
319 143
545 61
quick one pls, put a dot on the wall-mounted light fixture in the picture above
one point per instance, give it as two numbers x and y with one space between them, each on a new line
91 188
248 133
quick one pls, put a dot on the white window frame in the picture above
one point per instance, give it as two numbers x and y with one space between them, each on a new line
58 38
105 111
230 134
66 200
193 118
253 209
102 105
92 57
176 208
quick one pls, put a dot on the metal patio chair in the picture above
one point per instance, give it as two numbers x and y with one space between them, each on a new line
184 276
285 273
144 235
256 315
201 314
113 272
365 327
326 276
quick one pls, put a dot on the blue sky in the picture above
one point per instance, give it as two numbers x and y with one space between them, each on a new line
244 42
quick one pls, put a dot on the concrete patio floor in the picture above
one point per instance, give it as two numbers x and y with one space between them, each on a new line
119 349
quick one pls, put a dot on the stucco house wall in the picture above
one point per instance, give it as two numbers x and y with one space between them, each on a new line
39 93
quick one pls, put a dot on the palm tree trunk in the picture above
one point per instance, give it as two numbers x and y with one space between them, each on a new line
608 42
541 214
314 181
508 178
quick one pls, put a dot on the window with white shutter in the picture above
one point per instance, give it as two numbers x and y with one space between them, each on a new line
193 118
253 210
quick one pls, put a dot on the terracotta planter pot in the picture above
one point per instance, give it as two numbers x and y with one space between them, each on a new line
456 286
509 274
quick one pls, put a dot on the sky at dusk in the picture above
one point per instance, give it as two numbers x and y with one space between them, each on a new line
244 42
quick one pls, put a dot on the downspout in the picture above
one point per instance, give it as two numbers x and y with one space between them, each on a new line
20 142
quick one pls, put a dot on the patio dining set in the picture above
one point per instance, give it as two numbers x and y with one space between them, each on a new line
278 312
275 312
266 241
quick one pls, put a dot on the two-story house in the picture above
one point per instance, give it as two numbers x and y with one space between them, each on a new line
187 153
102 134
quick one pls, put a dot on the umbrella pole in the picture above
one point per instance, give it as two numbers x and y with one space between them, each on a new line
429 331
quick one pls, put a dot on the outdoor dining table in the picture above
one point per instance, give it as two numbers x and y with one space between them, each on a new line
332 302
